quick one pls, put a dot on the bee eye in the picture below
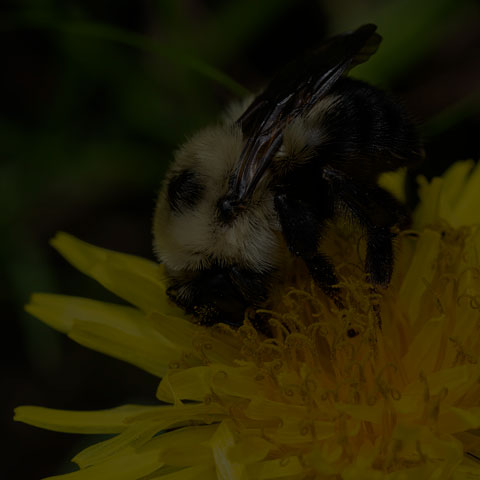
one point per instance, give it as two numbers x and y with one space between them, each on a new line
184 190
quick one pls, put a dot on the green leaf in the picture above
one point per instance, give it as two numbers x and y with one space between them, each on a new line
452 115
136 40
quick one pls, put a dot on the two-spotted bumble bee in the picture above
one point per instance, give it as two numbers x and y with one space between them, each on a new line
263 184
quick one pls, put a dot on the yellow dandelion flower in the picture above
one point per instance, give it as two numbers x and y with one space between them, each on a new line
386 387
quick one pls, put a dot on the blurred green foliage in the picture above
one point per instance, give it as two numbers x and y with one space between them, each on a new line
97 95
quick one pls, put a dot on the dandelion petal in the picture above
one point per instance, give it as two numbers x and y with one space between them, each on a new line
98 421
119 331
135 279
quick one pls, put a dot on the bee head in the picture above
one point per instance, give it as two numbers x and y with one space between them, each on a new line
218 294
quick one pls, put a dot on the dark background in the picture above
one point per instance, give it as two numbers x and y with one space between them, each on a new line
89 118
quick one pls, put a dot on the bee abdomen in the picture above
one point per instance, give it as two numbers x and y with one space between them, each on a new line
366 124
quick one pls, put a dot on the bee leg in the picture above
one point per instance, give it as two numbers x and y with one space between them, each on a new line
323 274
379 218
302 227
379 257
378 212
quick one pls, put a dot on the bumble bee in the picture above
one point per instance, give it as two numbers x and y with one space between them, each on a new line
263 184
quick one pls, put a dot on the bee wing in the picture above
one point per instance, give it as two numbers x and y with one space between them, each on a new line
293 92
